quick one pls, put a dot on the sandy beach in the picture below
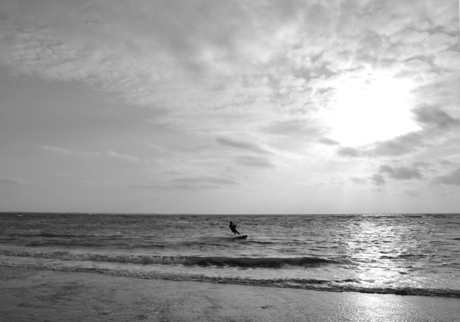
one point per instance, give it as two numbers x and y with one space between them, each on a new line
41 295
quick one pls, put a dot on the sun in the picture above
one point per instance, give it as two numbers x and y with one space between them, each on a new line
371 109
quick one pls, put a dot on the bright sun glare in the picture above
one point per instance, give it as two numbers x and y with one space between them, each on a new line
371 109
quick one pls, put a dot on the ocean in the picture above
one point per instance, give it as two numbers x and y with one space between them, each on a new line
405 254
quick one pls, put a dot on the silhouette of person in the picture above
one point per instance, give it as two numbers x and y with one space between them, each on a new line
233 228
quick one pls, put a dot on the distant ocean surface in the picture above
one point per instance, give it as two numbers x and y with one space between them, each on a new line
403 254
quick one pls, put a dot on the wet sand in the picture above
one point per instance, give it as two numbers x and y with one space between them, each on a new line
40 295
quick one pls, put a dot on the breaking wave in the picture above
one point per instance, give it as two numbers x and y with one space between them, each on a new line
243 262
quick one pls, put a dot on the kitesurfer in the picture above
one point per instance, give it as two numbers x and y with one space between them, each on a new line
232 227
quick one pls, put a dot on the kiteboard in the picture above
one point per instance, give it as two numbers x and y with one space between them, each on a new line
241 237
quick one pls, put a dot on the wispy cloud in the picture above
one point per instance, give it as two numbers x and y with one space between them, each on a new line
412 193
432 116
400 173
67 152
255 161
125 157
453 178
109 153
186 182
224 46
377 179
203 181
349 152
359 180
327 141
13 181
270 56
401 145
245 145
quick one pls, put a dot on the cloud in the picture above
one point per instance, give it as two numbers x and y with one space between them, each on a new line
179 181
169 53
203 181
410 37
449 164
125 157
327 141
244 145
409 143
452 178
255 161
449 60
377 179
412 193
439 90
417 65
259 76
349 152
359 180
214 45
401 173
432 116
111 154
400 145
68 152
422 164
209 56
158 149
298 127
13 181
439 42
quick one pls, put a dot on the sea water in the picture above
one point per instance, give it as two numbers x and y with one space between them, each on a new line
375 253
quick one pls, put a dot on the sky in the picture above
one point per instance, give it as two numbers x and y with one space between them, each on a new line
230 107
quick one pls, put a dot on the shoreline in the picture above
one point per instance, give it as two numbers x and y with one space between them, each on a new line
45 264
29 294
27 263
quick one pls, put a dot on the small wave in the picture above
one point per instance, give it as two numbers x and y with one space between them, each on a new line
52 235
259 242
83 236
247 262
403 256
